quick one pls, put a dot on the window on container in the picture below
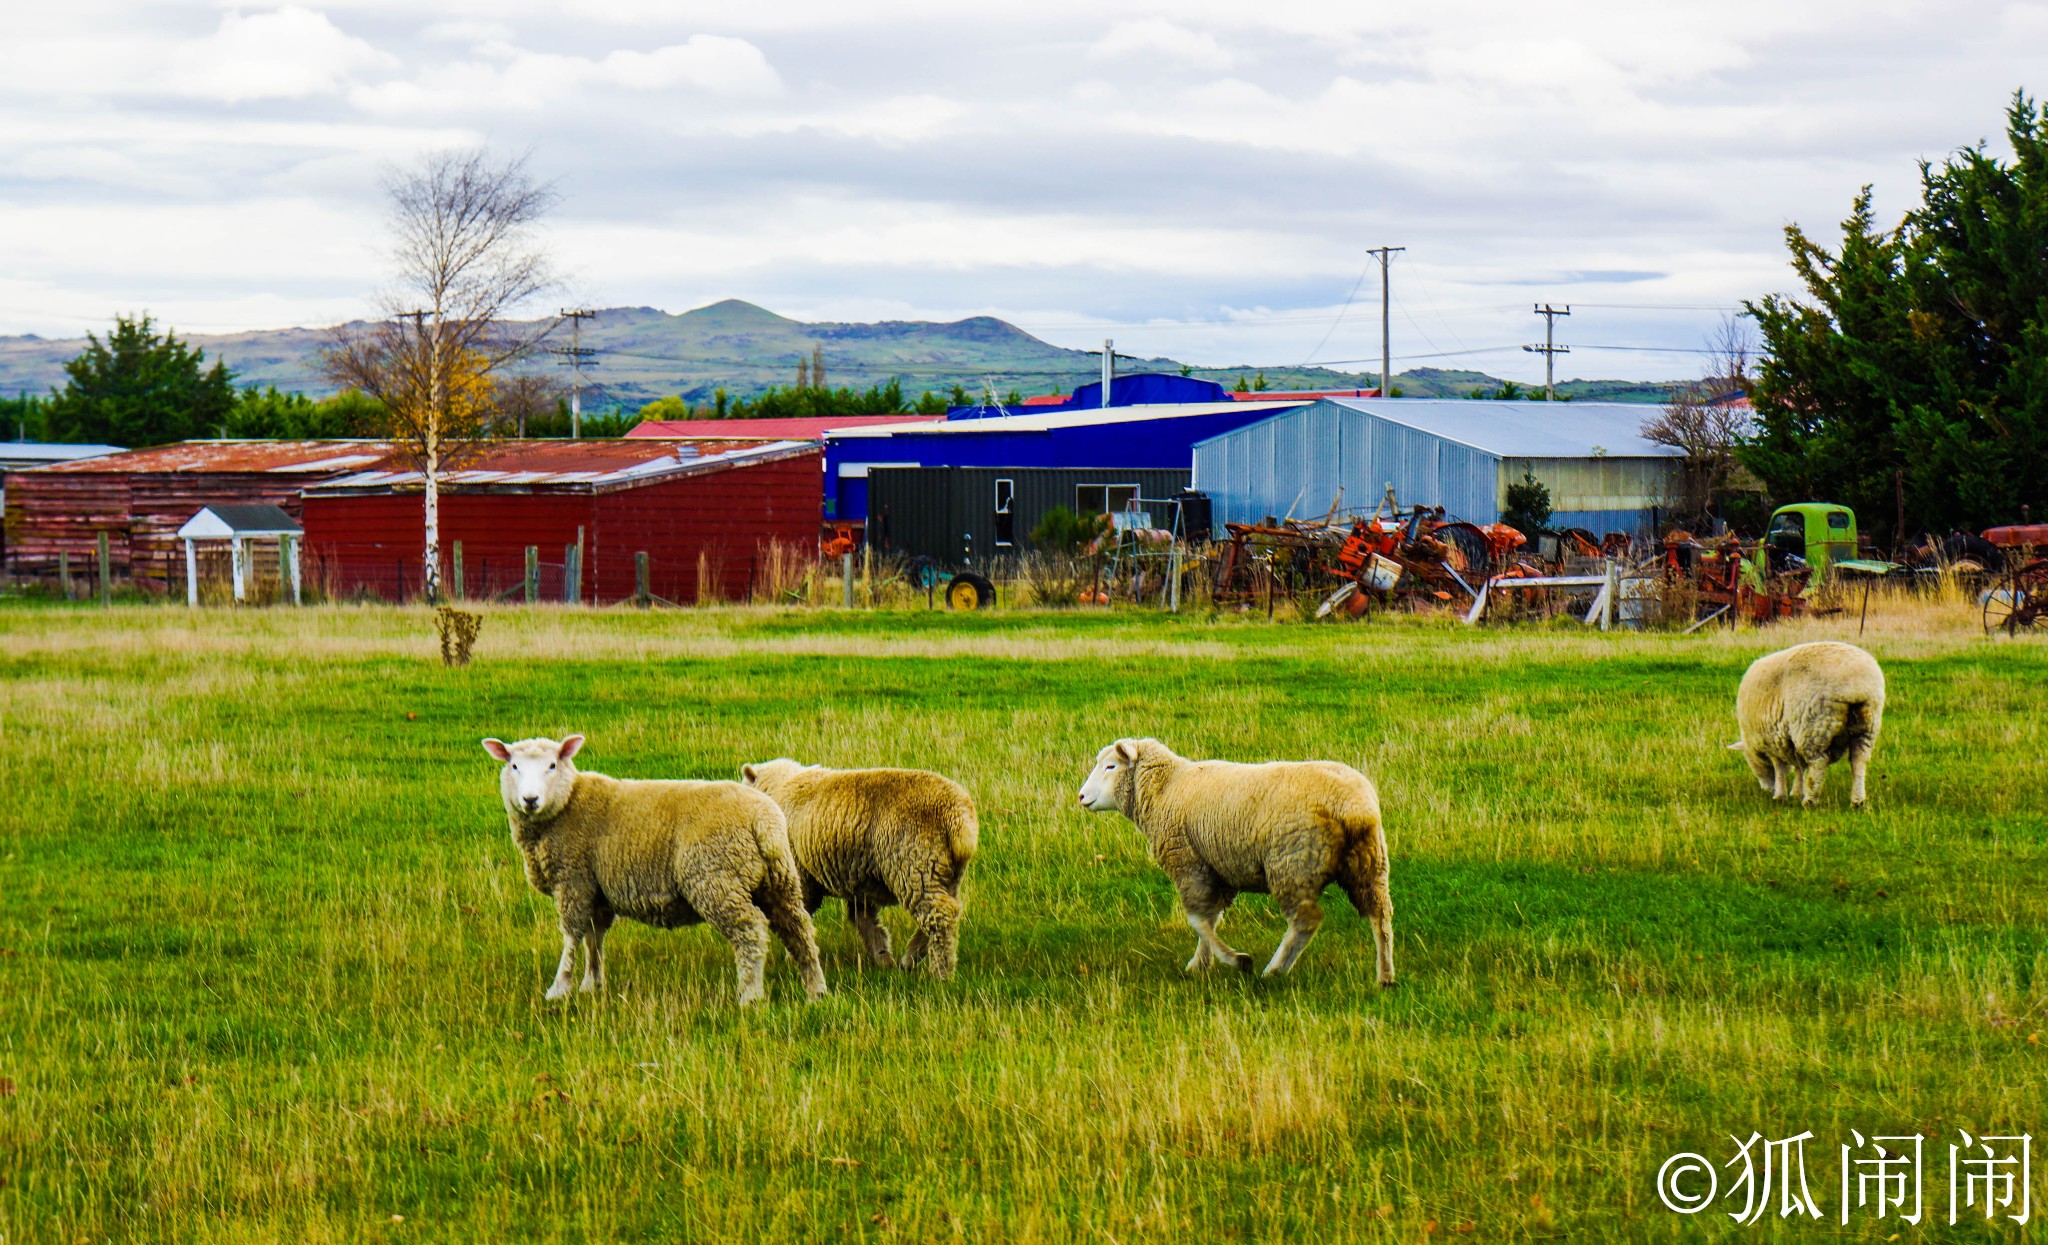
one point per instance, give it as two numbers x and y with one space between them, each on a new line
1006 521
1838 520
1104 498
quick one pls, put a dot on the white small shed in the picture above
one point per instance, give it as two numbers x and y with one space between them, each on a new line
238 525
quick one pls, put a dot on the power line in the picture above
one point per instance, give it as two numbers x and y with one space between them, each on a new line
1342 311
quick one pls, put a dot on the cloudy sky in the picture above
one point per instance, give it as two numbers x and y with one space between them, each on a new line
1196 179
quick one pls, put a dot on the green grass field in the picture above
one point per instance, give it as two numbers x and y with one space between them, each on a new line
269 970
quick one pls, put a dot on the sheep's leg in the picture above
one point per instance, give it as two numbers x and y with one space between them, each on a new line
742 924
1815 777
937 941
1778 771
1304 917
1370 896
783 903
1859 761
1204 902
865 915
565 971
593 954
576 912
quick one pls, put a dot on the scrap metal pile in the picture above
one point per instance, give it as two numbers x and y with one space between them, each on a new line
1419 559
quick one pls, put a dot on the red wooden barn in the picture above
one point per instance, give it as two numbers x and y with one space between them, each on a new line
709 514
141 499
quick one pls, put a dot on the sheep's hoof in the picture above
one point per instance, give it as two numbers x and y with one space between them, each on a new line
752 1000
1245 963
1388 983
558 992
589 987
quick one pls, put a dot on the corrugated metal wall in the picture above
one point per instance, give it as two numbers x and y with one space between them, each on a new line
940 512
1604 494
1299 460
373 541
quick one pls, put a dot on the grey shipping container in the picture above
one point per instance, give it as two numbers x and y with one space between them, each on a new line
963 516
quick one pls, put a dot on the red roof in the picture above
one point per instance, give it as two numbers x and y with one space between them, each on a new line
770 429
1045 399
203 457
601 464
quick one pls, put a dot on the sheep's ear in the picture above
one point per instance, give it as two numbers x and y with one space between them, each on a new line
1736 746
747 774
571 746
497 748
1126 750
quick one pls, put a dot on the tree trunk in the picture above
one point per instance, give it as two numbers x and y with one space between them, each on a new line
430 470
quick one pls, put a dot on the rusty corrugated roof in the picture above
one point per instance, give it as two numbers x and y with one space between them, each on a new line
286 457
574 465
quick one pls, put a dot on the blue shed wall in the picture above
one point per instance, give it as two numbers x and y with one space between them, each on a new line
1166 443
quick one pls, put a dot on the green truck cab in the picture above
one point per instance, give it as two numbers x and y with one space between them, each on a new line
1823 534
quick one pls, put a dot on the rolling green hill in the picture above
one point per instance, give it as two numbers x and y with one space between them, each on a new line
645 353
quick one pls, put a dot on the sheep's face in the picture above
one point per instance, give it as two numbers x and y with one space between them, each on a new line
1766 777
768 776
1109 783
538 775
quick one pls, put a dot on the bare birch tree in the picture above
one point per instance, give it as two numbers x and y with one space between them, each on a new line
1707 419
465 255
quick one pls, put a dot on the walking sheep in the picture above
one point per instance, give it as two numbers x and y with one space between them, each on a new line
1804 708
1285 828
876 837
664 853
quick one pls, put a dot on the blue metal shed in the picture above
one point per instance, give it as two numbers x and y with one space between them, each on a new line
1131 437
1458 454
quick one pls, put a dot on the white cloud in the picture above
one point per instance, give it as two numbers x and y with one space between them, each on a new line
289 53
1194 175
1156 37
512 79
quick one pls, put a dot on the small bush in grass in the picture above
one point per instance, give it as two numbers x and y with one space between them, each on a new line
458 630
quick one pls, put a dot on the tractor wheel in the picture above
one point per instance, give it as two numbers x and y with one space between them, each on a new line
969 591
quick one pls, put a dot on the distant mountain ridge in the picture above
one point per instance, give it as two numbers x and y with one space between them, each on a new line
644 353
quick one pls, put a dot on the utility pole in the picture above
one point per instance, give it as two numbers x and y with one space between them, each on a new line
1386 258
1550 349
577 356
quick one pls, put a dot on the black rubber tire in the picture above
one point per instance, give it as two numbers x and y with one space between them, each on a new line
968 590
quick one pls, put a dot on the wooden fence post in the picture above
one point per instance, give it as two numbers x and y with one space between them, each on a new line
106 573
579 564
532 574
457 594
64 572
569 575
643 590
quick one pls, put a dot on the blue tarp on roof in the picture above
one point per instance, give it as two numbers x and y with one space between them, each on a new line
1140 389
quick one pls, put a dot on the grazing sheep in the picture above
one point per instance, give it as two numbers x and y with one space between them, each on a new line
664 853
1285 828
1804 708
876 837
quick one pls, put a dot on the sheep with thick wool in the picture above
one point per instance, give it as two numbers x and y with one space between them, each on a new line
663 853
876 837
1285 828
1802 709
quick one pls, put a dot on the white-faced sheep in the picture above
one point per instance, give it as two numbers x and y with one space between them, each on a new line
875 837
1802 709
1285 828
664 853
